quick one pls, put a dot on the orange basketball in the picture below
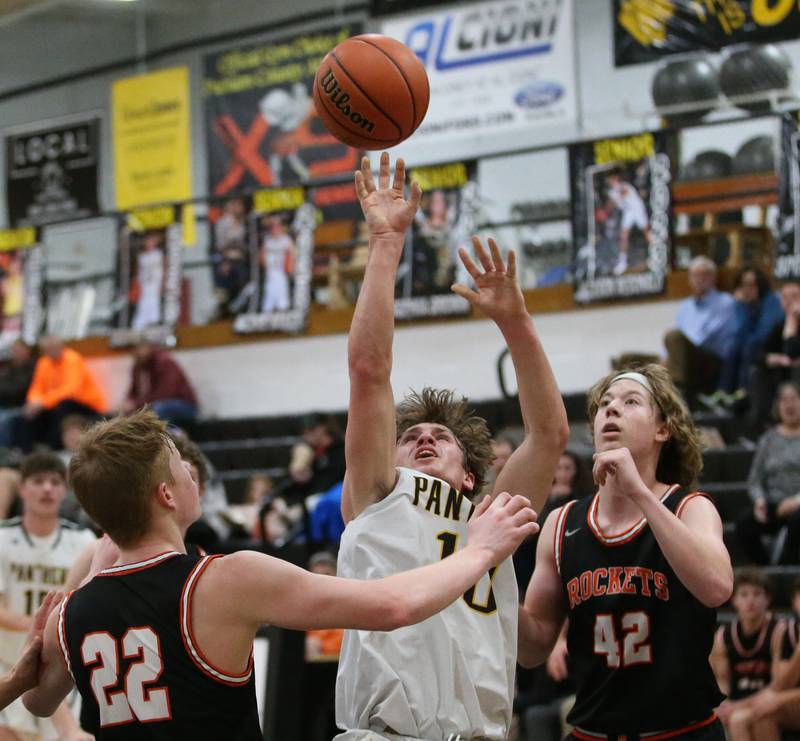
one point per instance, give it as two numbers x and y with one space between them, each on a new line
371 91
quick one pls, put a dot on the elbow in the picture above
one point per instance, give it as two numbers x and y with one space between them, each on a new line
35 705
526 659
369 371
393 615
720 591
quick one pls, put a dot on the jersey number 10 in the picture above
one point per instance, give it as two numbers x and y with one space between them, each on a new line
489 605
136 700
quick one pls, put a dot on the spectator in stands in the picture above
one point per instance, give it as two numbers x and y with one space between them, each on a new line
704 334
243 518
280 523
318 461
62 385
774 484
746 652
757 312
778 361
15 379
328 642
326 524
157 380
72 427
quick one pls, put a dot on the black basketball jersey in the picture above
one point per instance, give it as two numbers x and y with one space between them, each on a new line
749 657
638 640
127 639
791 637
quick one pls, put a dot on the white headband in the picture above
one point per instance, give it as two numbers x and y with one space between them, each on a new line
640 378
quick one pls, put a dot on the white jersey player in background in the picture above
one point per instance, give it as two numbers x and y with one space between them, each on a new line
406 500
150 275
633 212
37 551
277 250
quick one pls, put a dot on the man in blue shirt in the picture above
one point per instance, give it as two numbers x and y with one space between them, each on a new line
705 332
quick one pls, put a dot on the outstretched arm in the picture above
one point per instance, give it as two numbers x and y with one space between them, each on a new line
370 437
530 469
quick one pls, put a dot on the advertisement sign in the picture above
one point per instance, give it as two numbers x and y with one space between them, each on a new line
787 260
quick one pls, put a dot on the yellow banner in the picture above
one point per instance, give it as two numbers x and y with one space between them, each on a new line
15 239
278 199
143 219
151 138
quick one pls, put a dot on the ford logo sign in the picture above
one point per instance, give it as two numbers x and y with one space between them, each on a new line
539 94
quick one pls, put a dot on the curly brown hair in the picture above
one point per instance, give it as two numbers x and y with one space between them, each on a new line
681 458
440 406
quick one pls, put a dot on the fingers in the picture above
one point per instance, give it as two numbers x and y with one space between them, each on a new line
511 269
416 194
31 650
468 263
465 292
366 173
383 171
483 505
361 188
523 517
480 252
497 258
399 175
49 603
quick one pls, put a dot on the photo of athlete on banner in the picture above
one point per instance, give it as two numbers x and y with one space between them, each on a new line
149 274
446 218
787 259
280 233
21 275
621 216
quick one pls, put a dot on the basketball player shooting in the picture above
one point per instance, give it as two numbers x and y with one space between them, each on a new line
160 644
638 569
406 497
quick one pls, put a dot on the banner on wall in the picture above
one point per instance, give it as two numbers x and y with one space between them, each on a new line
151 138
495 68
787 260
446 219
621 216
148 276
646 30
52 171
21 286
262 252
261 126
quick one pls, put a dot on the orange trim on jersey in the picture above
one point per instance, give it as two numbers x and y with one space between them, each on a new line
686 499
558 539
627 535
656 736
132 568
62 633
762 636
190 642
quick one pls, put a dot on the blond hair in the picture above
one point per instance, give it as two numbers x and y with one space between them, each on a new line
117 469
681 458
440 406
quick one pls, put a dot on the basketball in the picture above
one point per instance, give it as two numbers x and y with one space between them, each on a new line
371 91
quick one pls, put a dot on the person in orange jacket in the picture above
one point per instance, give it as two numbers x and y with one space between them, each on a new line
62 385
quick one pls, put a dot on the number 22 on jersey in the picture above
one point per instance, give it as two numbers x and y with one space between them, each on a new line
134 701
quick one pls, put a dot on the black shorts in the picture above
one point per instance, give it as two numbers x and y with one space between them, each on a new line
711 732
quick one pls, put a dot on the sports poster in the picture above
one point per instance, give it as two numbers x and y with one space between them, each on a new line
148 276
52 171
646 30
21 286
621 216
787 260
446 220
261 127
280 242
497 70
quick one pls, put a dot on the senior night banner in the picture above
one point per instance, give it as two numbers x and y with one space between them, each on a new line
646 30
151 139
261 126
497 70
621 216
787 260
52 171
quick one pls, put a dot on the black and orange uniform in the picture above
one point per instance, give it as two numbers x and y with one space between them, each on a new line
127 639
638 640
749 657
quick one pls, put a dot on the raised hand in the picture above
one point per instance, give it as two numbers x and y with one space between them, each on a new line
497 292
385 208
25 672
618 469
501 524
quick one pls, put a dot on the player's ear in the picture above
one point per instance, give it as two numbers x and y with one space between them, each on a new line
662 432
468 484
164 496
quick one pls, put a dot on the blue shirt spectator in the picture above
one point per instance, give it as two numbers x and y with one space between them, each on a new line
326 523
707 320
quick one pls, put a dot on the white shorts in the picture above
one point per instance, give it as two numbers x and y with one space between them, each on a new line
634 217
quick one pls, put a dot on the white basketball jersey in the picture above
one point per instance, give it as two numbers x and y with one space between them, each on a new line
451 674
30 567
275 251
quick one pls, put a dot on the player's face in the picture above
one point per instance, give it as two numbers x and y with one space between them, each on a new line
628 418
433 449
43 493
751 602
184 488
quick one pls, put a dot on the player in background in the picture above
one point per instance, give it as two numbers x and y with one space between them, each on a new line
150 276
160 644
36 552
406 498
624 196
639 569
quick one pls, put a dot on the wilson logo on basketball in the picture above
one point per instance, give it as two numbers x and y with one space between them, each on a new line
330 86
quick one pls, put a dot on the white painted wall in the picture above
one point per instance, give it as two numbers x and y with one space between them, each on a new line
304 374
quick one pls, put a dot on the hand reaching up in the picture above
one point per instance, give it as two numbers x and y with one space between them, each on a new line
385 208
